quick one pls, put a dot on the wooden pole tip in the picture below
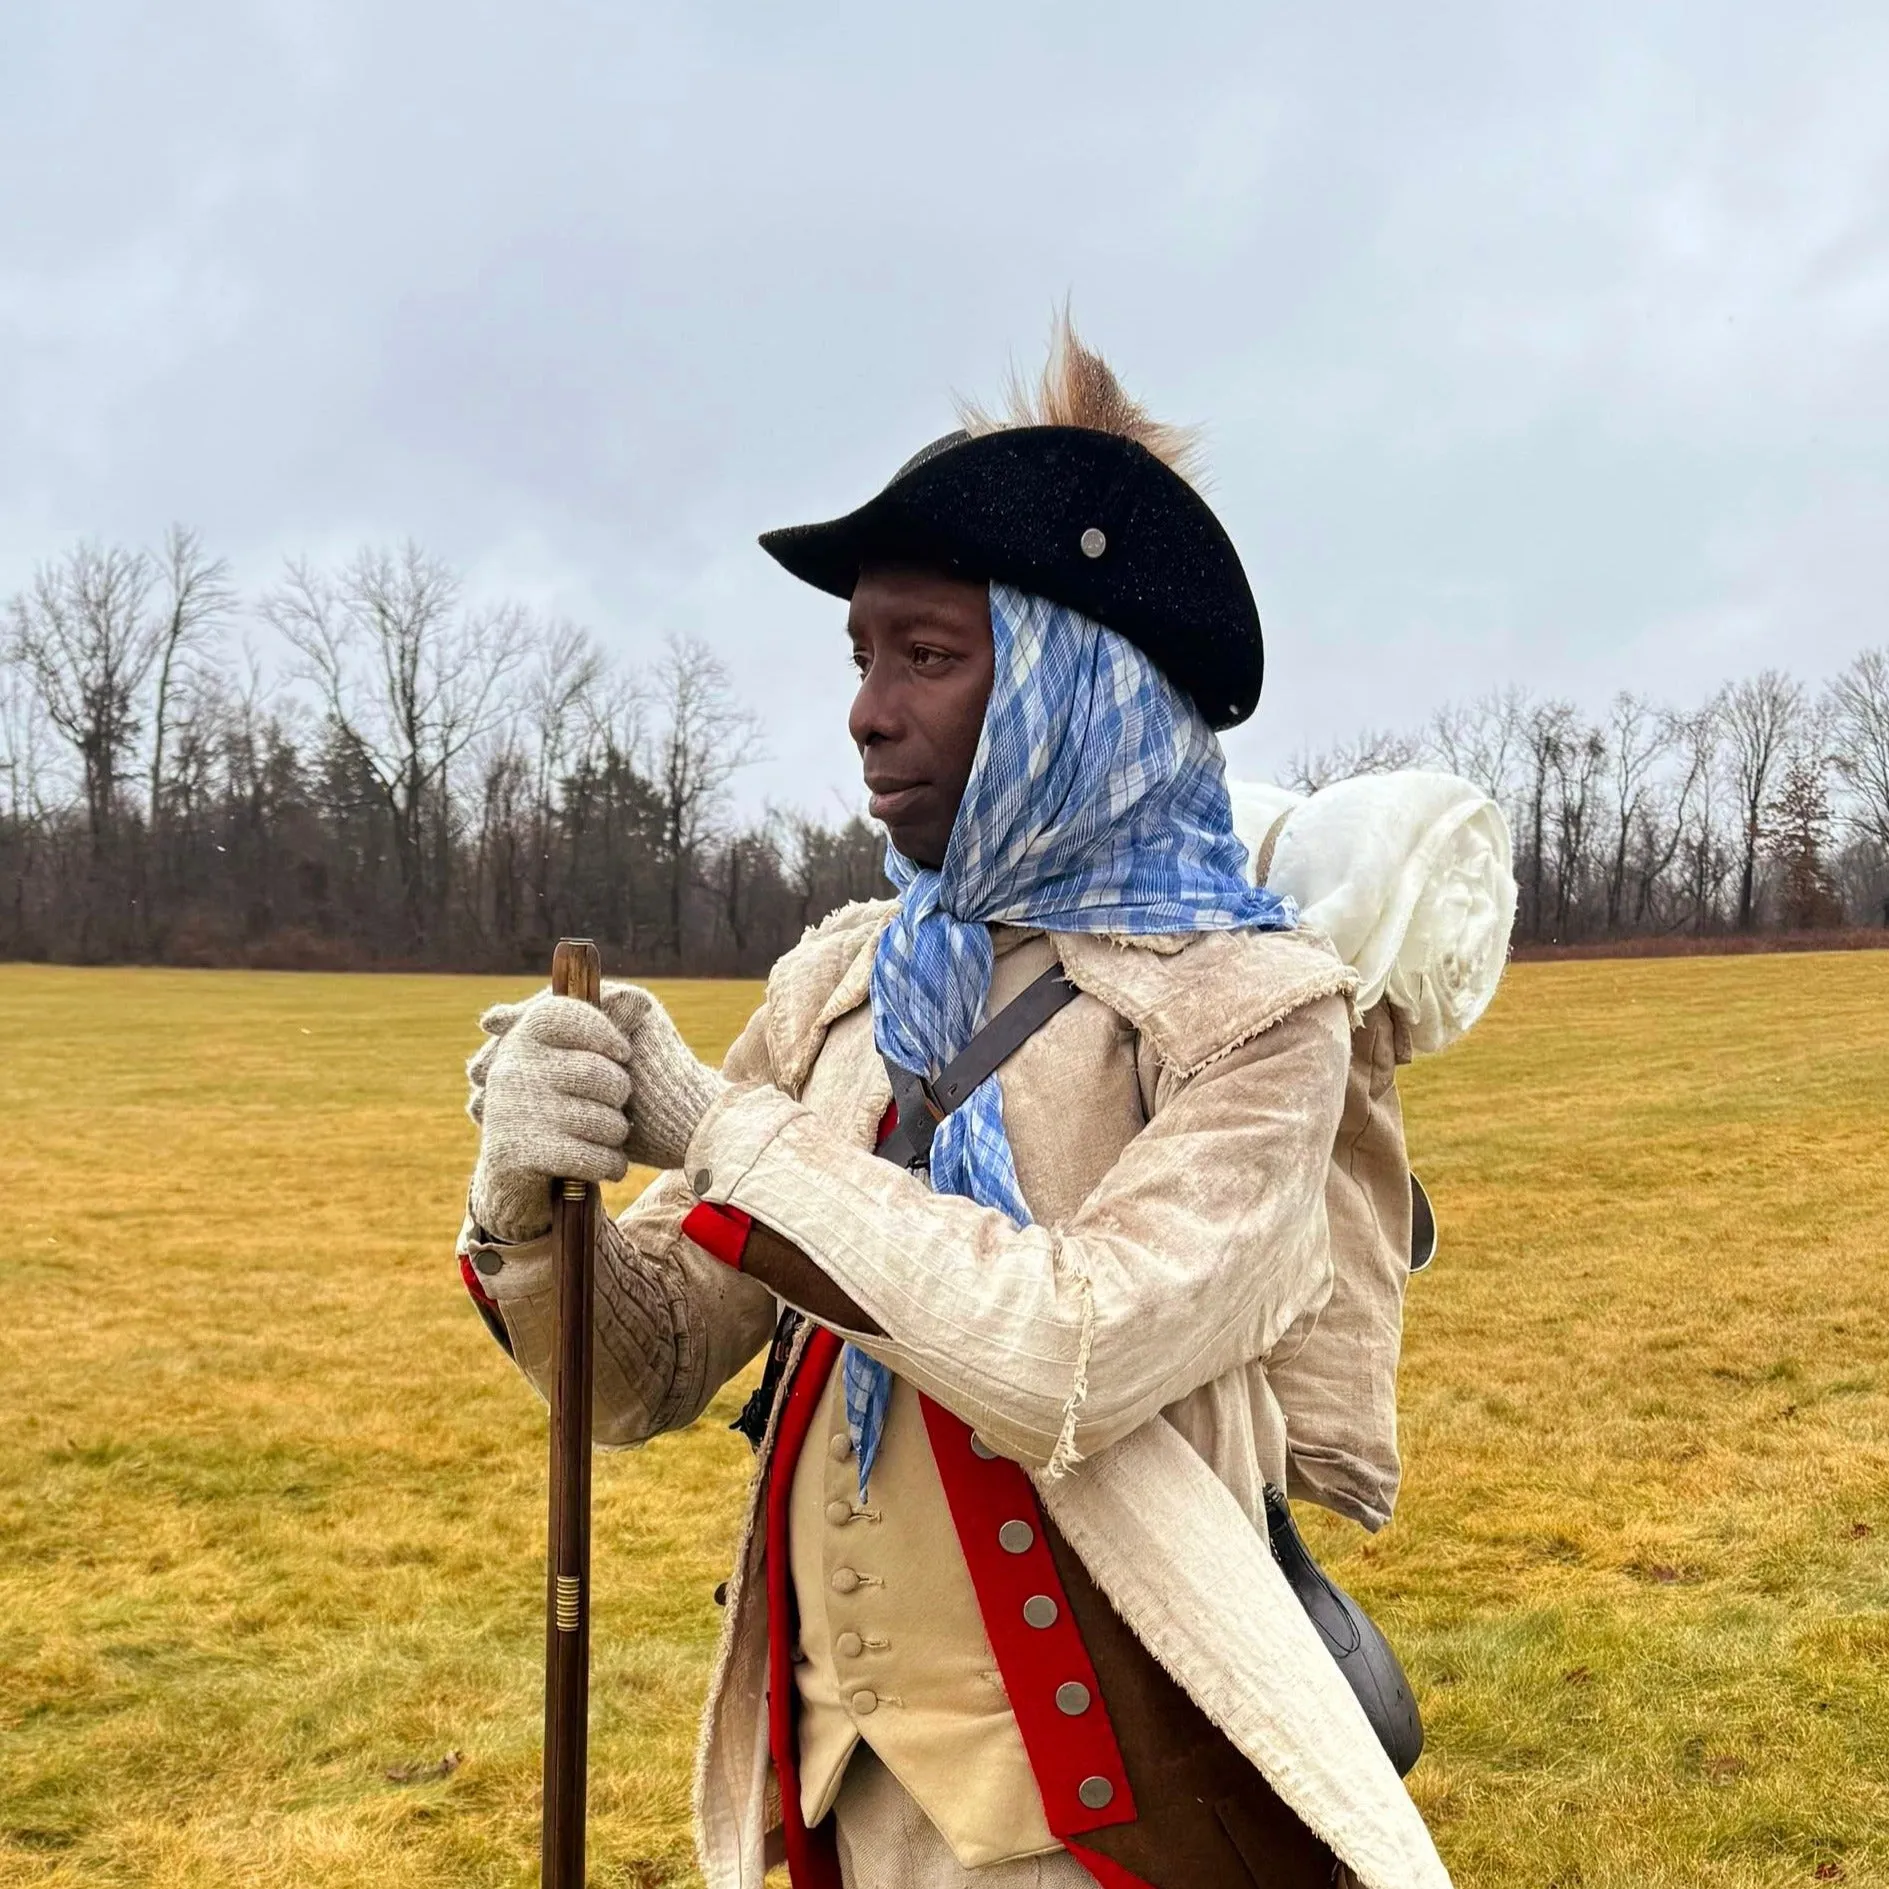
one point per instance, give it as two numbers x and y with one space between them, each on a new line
577 970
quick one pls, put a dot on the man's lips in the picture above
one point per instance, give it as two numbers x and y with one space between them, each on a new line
891 798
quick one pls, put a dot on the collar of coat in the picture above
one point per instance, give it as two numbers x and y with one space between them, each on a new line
1194 997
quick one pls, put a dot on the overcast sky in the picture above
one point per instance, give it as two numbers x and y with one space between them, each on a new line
1535 344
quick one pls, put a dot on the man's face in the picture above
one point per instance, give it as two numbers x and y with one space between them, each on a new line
922 644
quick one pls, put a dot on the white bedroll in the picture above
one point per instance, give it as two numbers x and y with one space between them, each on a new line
1411 877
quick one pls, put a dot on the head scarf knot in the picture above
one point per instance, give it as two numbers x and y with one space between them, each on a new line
1097 802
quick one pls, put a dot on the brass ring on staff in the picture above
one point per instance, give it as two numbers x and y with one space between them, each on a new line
569 1602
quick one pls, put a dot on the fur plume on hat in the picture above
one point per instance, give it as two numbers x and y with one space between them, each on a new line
1078 388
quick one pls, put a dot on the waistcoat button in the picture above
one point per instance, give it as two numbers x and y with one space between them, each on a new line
1015 1537
839 1513
1097 1793
1039 1611
840 1448
849 1646
1072 1698
845 1581
865 1701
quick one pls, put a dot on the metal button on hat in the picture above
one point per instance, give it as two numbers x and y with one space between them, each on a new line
981 1449
1072 1698
849 1646
489 1263
865 1700
1097 1793
1015 1537
1039 1611
704 1180
1094 542
844 1581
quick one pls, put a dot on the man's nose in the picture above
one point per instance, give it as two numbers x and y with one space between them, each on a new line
874 716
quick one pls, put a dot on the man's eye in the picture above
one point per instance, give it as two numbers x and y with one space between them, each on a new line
859 662
923 658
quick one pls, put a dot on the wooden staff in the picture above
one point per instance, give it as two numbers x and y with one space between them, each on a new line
576 971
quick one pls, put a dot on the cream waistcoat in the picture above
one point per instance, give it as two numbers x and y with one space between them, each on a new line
893 1644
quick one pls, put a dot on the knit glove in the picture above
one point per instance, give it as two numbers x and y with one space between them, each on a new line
549 1087
670 1087
665 1091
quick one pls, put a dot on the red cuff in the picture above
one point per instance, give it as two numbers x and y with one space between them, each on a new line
480 1297
721 1232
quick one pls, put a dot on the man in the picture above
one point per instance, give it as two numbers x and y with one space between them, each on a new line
1003 1613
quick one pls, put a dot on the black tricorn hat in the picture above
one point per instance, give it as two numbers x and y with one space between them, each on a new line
1084 517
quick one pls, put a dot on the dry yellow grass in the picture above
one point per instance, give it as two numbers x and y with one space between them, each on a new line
270 1502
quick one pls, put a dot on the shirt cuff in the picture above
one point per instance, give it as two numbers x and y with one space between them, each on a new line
503 1269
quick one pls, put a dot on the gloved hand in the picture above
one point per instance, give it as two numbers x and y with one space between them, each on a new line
557 1100
548 1092
670 1087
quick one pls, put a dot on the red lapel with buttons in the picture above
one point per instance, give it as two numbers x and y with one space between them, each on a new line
1046 1669
812 1857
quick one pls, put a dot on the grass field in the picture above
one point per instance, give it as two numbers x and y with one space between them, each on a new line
270 1501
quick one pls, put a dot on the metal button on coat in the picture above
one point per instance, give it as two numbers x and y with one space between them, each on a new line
839 1513
1039 1611
865 1700
704 1180
845 1581
980 1448
840 1448
1072 1698
1097 1793
1015 1537
1094 542
849 1646
489 1263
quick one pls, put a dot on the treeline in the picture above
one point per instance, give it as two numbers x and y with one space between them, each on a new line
424 782
1763 808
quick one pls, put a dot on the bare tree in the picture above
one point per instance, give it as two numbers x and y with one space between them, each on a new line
1545 732
829 866
26 804
1672 806
1481 740
1376 751
702 739
82 633
1639 736
1858 710
408 682
197 598
1761 716
1578 759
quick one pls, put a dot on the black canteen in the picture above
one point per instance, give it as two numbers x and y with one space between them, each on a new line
1363 1654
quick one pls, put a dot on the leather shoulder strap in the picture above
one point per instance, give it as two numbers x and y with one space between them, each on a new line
923 1105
